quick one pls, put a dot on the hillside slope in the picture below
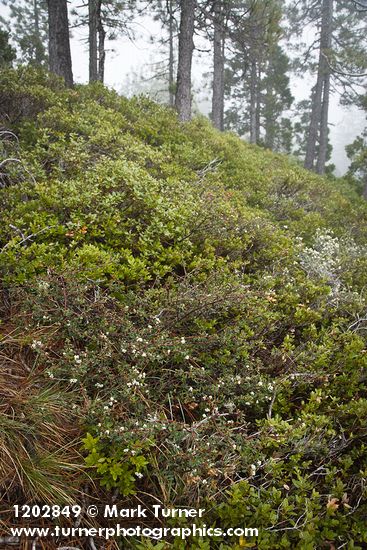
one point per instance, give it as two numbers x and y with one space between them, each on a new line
191 307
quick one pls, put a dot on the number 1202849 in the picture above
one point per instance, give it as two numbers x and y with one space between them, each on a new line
46 511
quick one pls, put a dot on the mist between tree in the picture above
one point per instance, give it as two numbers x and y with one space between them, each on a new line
261 57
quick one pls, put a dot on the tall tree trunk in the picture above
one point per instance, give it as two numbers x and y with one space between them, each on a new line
327 43
59 40
269 139
319 92
185 51
39 46
93 56
171 61
314 123
324 134
253 103
101 43
218 66
258 105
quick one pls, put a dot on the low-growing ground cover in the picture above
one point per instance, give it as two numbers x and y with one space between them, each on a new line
183 321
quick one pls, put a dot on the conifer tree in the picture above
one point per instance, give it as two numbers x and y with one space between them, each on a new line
257 76
341 52
357 153
166 12
29 29
185 52
59 40
7 52
220 15
105 20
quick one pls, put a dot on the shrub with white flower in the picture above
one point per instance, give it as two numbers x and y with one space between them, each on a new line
322 260
330 258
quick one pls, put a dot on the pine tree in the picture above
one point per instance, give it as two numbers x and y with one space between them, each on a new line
320 98
221 11
59 40
257 77
357 153
276 98
106 20
7 52
166 11
29 28
341 56
185 52
94 11
97 36
301 123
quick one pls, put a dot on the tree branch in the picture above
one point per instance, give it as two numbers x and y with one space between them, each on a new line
342 73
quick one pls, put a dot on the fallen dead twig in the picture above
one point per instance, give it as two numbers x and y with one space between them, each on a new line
28 237
17 161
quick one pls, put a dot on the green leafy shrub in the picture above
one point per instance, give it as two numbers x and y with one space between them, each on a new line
204 298
113 467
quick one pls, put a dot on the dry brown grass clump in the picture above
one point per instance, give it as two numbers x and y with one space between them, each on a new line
39 431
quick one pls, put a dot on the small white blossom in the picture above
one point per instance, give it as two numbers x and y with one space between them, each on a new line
252 470
36 344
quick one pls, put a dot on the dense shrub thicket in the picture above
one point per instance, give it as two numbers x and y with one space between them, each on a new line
182 312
